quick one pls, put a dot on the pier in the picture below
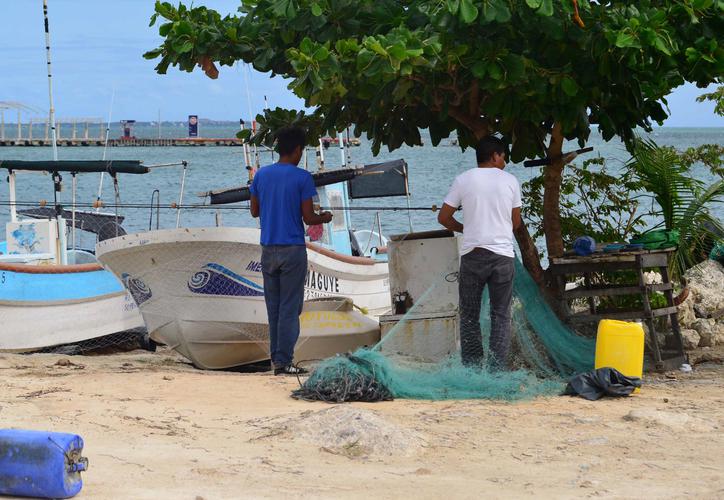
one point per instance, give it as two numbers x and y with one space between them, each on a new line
133 142
136 142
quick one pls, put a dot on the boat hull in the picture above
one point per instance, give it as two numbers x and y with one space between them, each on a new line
46 306
201 292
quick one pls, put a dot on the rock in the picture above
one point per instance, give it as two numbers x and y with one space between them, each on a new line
717 337
705 329
660 336
690 338
686 312
706 284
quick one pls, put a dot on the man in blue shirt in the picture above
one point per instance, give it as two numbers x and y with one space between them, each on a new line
281 194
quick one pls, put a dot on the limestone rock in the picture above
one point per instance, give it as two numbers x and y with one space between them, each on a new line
705 329
717 337
706 285
660 336
686 312
690 338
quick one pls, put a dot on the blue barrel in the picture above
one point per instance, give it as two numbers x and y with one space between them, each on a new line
40 464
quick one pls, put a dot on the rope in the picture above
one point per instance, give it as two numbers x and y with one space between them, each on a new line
176 206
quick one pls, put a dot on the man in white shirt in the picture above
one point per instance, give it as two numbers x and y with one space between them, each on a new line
490 199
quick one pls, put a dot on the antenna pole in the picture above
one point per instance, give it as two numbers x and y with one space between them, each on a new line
105 148
50 82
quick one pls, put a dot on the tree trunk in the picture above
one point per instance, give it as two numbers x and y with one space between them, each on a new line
553 177
529 255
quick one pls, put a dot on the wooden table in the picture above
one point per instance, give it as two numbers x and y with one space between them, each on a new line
573 265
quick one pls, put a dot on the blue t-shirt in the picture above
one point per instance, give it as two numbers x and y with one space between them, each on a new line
280 189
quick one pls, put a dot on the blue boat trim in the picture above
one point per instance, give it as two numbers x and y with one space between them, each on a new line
215 279
44 288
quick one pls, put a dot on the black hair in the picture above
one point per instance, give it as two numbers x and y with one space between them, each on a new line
288 138
485 148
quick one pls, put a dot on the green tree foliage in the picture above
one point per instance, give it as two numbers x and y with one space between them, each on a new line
530 70
717 97
472 67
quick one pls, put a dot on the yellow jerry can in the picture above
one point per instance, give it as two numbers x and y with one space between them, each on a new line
620 345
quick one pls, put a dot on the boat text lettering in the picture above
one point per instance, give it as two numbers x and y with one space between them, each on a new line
254 266
322 282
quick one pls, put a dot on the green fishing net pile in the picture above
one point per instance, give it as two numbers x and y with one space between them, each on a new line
544 353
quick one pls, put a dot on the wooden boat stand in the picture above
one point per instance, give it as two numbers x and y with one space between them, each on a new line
637 261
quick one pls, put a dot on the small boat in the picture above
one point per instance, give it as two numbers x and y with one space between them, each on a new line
52 295
200 290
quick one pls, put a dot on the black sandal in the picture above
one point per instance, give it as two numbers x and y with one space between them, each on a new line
290 370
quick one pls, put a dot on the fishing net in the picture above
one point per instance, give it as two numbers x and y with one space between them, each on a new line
544 352
107 344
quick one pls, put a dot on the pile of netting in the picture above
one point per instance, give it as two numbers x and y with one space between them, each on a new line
544 353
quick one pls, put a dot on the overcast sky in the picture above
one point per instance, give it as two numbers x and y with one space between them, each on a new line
96 54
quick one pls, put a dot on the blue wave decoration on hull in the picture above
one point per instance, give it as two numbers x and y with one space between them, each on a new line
138 289
215 279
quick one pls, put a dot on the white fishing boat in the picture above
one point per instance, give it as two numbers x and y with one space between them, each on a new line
52 295
52 292
200 290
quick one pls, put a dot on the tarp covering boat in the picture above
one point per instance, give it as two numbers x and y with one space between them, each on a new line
371 181
104 225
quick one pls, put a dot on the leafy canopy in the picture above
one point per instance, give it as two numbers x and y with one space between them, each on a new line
474 67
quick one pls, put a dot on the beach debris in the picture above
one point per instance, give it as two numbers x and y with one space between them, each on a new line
43 392
355 432
65 362
41 464
601 382
347 431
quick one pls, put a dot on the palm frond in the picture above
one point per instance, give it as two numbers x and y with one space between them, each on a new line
663 174
698 228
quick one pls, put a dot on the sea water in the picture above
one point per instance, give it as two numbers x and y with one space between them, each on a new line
431 171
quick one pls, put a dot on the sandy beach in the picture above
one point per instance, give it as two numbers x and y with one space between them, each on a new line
157 428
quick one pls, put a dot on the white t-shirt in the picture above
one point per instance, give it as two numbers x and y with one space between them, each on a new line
488 196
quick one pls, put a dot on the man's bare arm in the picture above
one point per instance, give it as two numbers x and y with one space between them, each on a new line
254 207
446 217
312 219
515 216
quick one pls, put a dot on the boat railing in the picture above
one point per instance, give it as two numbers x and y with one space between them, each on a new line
54 269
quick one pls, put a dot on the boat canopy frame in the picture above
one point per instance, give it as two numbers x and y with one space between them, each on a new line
111 167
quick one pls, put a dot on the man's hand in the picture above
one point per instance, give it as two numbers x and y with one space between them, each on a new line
447 219
312 219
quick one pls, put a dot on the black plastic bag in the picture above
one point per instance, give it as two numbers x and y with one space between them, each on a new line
601 382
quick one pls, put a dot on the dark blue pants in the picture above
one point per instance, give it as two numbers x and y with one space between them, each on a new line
284 268
478 269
